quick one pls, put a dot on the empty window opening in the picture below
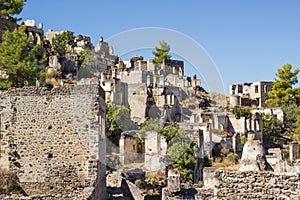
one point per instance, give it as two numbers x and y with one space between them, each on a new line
240 89
256 89
258 101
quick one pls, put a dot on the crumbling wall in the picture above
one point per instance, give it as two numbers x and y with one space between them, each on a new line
54 139
224 184
256 185
294 151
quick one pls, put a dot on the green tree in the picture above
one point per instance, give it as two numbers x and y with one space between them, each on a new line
272 127
86 67
19 61
180 147
151 125
297 123
242 112
169 133
62 42
11 7
284 95
282 92
180 150
162 52
117 121
290 116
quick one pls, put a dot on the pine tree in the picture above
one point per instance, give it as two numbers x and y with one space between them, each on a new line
63 41
282 92
11 7
19 60
162 52
284 95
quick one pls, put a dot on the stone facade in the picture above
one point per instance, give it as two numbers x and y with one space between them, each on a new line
155 151
173 181
105 55
294 151
55 140
248 94
131 149
151 153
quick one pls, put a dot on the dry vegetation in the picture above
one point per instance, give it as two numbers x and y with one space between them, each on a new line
9 183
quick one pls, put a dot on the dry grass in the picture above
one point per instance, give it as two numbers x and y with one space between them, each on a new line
9 182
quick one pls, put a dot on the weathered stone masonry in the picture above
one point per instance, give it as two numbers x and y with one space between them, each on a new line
52 139
256 185
233 185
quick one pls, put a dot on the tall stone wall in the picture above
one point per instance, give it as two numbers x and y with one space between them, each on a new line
55 140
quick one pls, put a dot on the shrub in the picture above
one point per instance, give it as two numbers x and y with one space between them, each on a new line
231 159
242 112
224 152
207 161
201 184
243 140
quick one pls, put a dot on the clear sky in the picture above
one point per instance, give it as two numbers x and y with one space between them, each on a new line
247 40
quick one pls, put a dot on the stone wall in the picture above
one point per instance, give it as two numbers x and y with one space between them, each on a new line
294 151
256 185
55 140
224 184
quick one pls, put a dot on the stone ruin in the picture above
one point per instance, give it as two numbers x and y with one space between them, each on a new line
150 154
55 140
254 156
36 32
173 181
157 89
101 56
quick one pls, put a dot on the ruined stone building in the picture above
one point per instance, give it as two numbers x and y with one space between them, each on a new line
96 59
131 148
150 153
68 64
156 89
250 94
164 92
55 140
31 29
262 174
105 55
36 32
277 112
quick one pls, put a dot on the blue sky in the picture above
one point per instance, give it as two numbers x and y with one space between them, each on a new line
247 40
